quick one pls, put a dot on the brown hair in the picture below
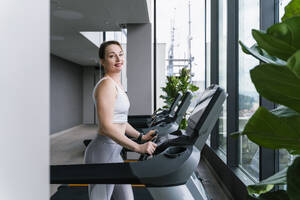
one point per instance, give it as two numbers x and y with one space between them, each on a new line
106 44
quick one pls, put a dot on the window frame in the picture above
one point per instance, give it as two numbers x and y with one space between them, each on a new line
269 14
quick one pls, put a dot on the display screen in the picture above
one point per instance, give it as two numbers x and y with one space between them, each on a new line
200 108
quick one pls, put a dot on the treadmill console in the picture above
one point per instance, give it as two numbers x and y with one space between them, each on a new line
200 122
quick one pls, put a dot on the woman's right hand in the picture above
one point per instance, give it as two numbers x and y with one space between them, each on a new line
148 147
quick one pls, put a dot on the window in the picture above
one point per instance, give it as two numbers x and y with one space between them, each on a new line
248 97
207 40
222 69
285 158
180 41
282 4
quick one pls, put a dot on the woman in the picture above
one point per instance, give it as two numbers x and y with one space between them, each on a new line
112 106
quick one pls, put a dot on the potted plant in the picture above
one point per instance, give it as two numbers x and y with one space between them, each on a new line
177 84
277 79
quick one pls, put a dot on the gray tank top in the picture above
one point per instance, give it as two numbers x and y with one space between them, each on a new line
121 106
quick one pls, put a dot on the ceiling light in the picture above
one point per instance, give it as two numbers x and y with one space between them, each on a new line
95 37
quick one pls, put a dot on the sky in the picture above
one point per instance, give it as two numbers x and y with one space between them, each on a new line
176 11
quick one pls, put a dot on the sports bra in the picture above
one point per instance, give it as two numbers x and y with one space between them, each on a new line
121 106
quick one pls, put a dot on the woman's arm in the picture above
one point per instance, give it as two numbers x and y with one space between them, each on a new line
130 131
105 98
134 133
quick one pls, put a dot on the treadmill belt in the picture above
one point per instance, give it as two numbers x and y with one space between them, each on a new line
81 193
71 193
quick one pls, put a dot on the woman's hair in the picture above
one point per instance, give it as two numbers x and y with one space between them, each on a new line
106 44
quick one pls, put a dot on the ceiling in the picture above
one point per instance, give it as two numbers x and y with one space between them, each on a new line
70 17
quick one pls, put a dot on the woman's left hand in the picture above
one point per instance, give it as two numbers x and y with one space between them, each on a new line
149 136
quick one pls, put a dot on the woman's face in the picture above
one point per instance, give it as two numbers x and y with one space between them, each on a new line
114 58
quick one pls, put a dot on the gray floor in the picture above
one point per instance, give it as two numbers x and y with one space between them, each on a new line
67 148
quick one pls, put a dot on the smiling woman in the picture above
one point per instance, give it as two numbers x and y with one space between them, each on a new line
112 105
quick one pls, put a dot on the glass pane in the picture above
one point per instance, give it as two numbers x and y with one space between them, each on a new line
207 41
285 159
248 97
180 41
222 69
282 4
207 47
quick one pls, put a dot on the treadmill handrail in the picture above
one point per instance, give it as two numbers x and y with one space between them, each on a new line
182 108
93 173
150 172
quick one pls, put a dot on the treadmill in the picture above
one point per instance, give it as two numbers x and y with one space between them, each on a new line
169 173
170 124
145 121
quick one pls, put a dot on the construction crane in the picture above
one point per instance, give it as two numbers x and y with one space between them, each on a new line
171 59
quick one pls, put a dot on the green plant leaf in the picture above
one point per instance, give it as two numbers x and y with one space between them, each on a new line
259 189
261 54
294 63
277 195
294 152
193 88
236 134
272 45
278 84
177 84
283 111
291 10
266 185
278 178
293 180
252 198
287 31
274 131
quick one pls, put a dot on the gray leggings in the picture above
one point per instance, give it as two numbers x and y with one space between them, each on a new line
104 150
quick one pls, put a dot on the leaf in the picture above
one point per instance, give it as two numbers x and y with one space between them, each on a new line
261 54
294 152
272 45
287 31
283 111
178 84
274 131
236 134
294 63
278 178
291 10
266 185
259 189
278 84
293 180
277 195
193 88
252 198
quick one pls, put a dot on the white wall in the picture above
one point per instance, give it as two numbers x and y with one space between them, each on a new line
160 73
24 102
139 69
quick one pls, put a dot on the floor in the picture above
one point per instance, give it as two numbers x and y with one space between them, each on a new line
67 148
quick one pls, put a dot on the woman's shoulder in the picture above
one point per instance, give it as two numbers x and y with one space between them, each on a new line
105 84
